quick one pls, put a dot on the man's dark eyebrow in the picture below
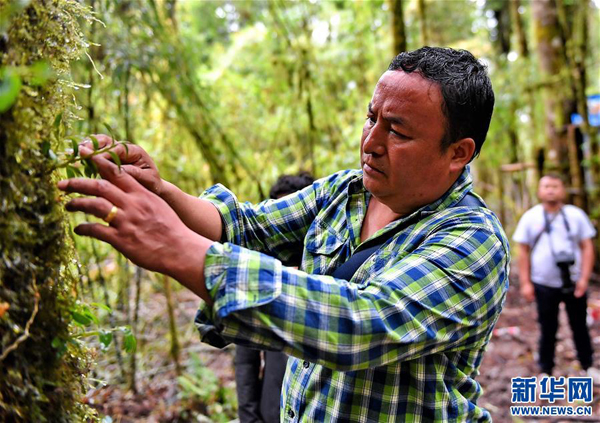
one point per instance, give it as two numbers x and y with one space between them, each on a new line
396 120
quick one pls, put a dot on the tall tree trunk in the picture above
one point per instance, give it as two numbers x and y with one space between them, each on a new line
517 23
42 374
500 188
576 171
422 11
515 148
577 52
501 40
398 28
551 53
171 12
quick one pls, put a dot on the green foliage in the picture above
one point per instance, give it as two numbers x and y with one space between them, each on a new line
72 161
10 85
41 378
450 22
201 389
83 316
10 81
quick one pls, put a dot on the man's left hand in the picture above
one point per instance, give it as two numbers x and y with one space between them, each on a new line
581 288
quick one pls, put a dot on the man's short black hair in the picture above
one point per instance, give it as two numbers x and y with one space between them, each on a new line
556 177
287 184
466 90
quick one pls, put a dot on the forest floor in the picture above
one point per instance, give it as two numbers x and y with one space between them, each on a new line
206 392
512 351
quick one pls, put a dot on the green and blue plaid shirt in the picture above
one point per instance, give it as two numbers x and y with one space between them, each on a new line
401 341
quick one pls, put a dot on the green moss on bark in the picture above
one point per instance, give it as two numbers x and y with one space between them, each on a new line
42 373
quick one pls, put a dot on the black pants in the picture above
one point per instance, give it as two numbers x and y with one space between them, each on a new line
548 301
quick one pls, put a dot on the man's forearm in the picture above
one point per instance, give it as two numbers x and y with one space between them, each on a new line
186 264
587 259
524 264
197 214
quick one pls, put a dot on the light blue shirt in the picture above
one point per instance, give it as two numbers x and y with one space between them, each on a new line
544 270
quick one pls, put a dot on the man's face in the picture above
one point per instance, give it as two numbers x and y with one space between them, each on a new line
401 156
551 190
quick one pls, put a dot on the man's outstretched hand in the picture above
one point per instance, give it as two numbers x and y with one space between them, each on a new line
134 159
145 229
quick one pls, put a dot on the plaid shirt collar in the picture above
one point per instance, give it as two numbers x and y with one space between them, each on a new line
461 187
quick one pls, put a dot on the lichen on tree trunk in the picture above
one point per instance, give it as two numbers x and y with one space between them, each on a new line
42 370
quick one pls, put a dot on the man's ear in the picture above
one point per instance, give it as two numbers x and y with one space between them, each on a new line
461 153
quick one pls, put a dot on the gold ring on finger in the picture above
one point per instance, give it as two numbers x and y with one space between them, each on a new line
111 214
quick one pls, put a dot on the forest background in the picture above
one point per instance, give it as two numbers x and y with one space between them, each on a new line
233 92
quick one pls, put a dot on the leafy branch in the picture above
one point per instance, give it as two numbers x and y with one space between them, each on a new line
83 316
70 159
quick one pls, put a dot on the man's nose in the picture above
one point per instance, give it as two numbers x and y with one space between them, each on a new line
375 141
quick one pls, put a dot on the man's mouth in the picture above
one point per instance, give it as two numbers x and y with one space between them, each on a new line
371 169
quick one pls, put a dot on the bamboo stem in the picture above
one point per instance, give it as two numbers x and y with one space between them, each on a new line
175 347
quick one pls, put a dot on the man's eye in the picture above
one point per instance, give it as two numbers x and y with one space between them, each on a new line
400 135
371 120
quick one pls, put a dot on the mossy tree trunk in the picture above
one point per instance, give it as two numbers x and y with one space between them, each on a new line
42 370
551 52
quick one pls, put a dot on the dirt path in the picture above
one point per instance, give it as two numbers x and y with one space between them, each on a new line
511 354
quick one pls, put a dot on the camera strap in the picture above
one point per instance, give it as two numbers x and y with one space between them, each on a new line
547 229
547 222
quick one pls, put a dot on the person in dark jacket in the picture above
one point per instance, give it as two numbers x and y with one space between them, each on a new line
259 387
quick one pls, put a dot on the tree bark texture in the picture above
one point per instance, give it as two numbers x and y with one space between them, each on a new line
398 28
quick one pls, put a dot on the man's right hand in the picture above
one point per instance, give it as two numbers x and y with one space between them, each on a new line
134 159
199 215
527 291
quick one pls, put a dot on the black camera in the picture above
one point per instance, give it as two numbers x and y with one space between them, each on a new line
564 261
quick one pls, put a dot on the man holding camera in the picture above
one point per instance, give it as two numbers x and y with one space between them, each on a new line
556 257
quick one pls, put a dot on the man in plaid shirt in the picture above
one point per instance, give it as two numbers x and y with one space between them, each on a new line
403 339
